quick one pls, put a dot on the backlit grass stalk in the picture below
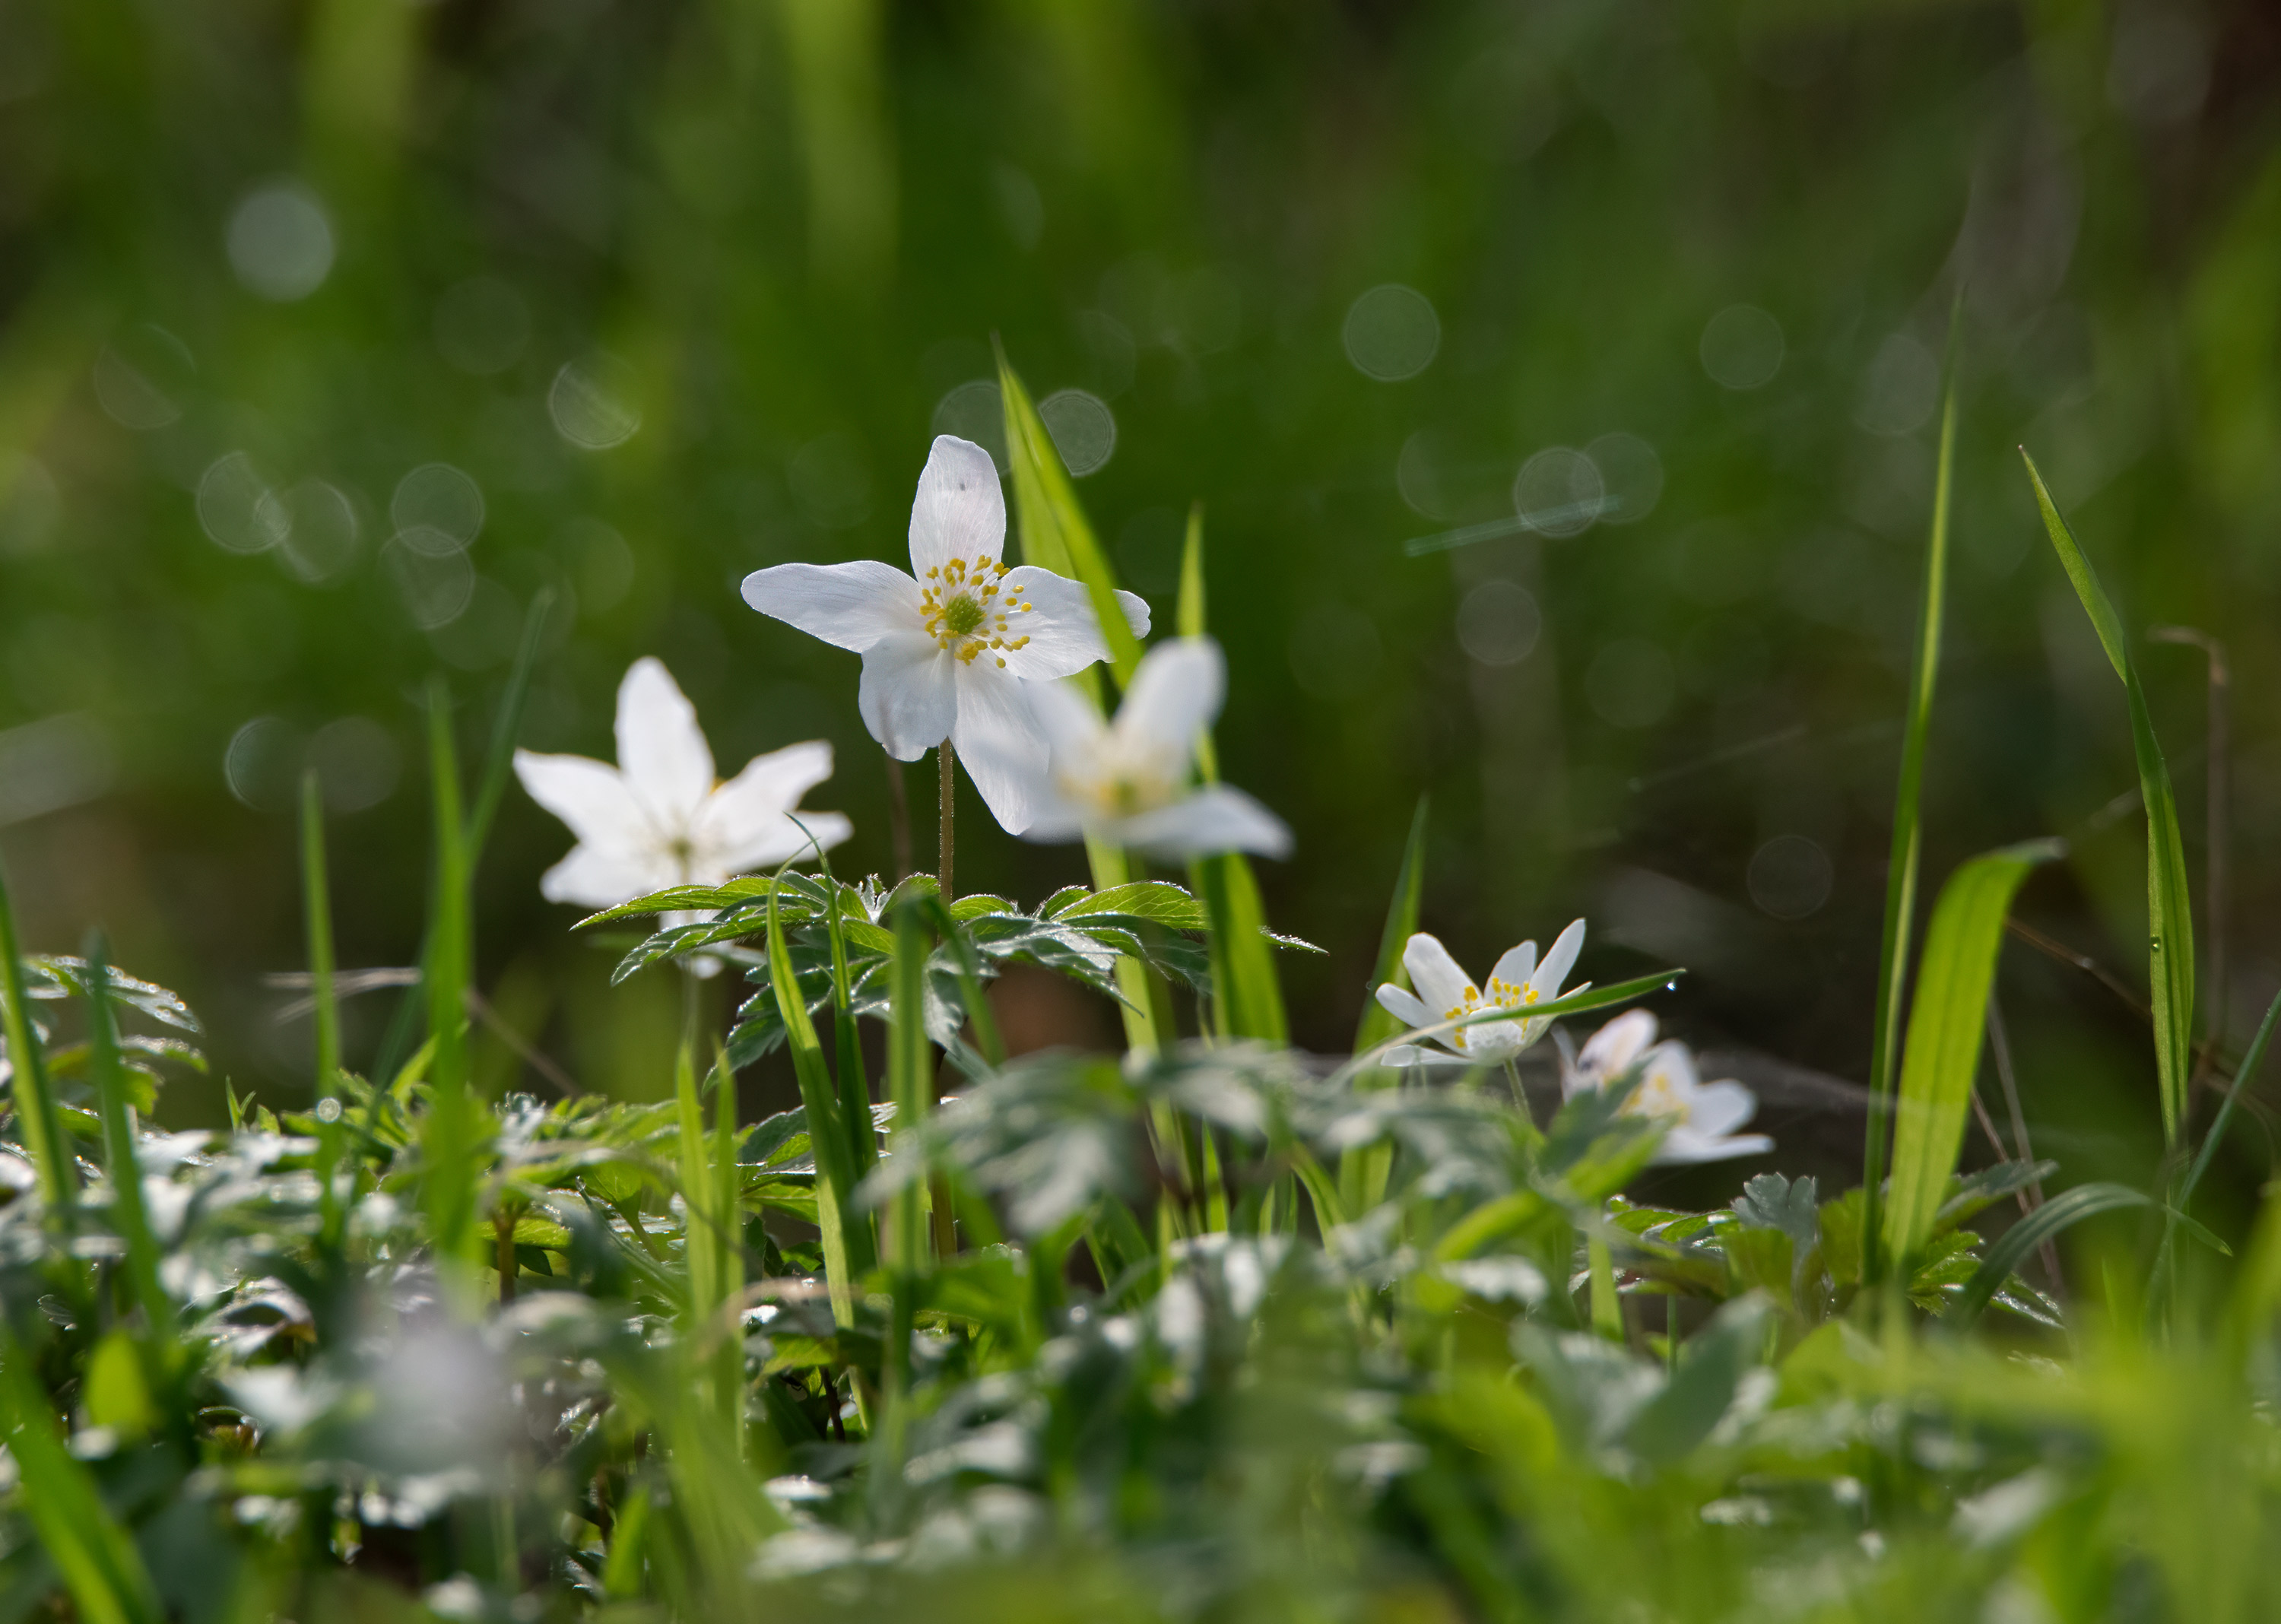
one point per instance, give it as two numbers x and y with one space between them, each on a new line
37 1119
848 1250
2170 954
448 1133
1907 842
128 1216
318 913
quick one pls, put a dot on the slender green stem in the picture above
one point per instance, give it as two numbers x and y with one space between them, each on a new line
1607 1308
946 819
1901 867
452 1182
317 905
35 1103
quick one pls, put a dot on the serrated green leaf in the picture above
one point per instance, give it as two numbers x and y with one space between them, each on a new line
1146 899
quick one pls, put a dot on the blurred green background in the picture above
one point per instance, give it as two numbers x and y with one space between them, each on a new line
331 332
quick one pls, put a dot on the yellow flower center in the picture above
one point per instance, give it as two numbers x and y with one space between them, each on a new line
1503 995
966 610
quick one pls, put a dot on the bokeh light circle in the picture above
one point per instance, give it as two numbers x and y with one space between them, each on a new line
281 242
1083 427
591 402
1742 347
440 499
1392 332
1559 491
238 507
1790 877
1632 474
1499 623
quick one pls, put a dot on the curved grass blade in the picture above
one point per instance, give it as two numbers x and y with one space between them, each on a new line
100 1565
1573 1003
1363 1173
847 1248
1901 868
449 1133
1947 1025
128 1214
318 911
2170 954
1379 1023
1054 531
34 1101
2061 1213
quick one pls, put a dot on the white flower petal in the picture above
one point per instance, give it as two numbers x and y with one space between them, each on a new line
661 751
785 842
908 696
758 797
1416 1055
590 797
1560 959
1215 819
1063 633
849 605
959 511
1518 965
594 876
1720 1107
999 742
1054 820
1682 1145
1070 722
1402 1005
1610 1051
1441 985
1174 696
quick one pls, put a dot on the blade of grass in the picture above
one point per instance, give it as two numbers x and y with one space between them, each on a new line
1054 531
2004 1258
100 1565
1947 1021
318 912
855 1081
37 1117
1248 997
1246 990
2250 1060
1056 535
1901 867
1363 1173
2170 962
128 1216
848 1246
496 761
448 1133
904 1246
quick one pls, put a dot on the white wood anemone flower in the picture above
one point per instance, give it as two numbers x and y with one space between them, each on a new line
660 818
1701 1117
1445 993
1128 782
946 655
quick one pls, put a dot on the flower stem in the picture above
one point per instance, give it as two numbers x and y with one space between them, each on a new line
944 819
899 819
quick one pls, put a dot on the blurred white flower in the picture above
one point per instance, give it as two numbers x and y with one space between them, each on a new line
1445 993
658 818
946 655
1127 781
1702 1115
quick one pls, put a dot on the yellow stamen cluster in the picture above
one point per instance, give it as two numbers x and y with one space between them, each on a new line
963 612
1503 995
